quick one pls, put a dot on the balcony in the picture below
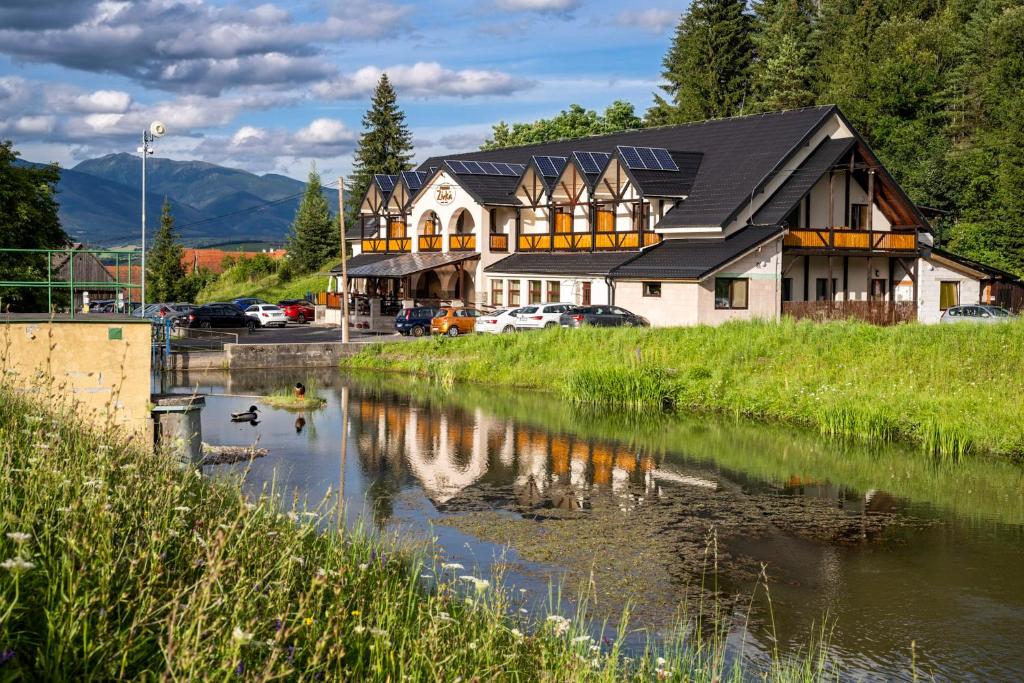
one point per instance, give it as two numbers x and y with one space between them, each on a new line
462 243
585 241
844 240
386 245
430 243
499 242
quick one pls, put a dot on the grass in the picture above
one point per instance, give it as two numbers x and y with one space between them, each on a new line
949 389
269 287
117 564
286 398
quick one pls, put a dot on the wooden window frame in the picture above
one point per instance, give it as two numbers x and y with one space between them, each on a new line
530 291
557 285
497 292
732 295
956 289
514 289
650 289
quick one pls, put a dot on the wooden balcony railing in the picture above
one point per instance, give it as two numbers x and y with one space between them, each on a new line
843 239
462 243
499 242
874 312
386 245
430 243
329 299
584 241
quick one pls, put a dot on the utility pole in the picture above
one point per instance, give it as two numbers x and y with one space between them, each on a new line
344 265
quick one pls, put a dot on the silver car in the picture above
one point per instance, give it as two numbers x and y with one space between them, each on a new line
978 313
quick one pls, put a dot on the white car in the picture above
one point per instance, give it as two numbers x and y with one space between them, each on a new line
267 315
539 316
497 321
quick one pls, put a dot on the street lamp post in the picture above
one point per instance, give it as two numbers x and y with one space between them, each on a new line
156 130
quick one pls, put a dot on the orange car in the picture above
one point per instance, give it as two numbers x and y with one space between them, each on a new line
454 321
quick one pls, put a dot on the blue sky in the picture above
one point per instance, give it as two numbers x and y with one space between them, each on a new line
272 86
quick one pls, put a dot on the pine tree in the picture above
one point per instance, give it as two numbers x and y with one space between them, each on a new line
385 145
707 68
783 72
165 273
314 237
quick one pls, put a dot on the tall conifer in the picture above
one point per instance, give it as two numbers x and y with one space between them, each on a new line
783 73
386 144
165 274
314 238
707 68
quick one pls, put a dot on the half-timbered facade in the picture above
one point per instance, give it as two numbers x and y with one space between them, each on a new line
747 217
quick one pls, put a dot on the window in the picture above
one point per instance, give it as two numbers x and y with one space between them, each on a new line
554 291
787 289
859 216
730 292
949 294
585 294
821 288
513 292
497 292
652 288
878 289
534 292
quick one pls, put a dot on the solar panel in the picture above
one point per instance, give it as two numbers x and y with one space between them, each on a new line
517 169
665 159
414 179
458 167
386 183
648 158
550 167
473 168
592 162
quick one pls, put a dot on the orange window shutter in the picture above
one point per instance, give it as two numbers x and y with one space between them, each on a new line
605 221
563 222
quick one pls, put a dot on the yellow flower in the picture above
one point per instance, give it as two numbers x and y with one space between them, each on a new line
355 613
308 621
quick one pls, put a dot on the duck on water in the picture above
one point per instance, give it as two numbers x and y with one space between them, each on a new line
246 416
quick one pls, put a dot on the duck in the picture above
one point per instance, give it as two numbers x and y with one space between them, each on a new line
300 390
247 416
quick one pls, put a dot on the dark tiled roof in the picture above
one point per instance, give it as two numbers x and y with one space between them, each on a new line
737 155
555 263
353 232
400 265
995 273
692 259
799 183
670 183
489 189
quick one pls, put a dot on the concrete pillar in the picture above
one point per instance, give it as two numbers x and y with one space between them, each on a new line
178 427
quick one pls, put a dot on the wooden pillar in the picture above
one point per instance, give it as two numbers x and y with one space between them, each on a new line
846 278
807 277
551 226
514 247
829 294
871 199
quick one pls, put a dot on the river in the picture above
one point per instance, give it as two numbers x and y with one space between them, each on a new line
910 564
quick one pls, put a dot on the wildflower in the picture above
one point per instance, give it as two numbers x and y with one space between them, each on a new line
363 567
559 623
472 645
240 669
298 560
93 482
240 635
18 537
581 639
182 508
452 565
6 656
356 613
308 621
444 616
660 661
17 565
321 572
378 632
359 630
480 584
517 633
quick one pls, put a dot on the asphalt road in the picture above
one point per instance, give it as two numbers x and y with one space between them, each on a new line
305 334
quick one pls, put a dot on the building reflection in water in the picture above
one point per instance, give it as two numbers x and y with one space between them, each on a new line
457 456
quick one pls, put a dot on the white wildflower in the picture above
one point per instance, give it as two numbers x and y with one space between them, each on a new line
359 630
480 584
378 632
182 508
452 565
660 661
581 639
363 567
240 635
17 565
516 632
18 537
559 623
468 601
444 616
298 560
94 482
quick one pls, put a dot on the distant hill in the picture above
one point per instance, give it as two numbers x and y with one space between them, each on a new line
99 201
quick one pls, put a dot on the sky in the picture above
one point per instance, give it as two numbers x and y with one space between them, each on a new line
275 86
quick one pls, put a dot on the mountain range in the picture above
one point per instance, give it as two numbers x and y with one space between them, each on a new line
100 201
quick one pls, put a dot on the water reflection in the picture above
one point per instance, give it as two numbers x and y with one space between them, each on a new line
894 547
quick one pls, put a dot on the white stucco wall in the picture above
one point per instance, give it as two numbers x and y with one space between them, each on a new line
571 288
861 271
762 268
932 274
677 306
819 204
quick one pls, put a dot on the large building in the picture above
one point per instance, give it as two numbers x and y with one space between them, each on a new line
746 217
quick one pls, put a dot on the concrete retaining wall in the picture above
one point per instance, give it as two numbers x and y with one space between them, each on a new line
261 356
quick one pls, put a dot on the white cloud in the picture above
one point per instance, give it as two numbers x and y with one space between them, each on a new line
32 125
540 6
104 101
325 132
423 79
652 19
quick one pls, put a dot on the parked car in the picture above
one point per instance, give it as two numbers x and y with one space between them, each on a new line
415 321
298 310
495 322
267 315
247 301
454 321
220 315
540 316
980 313
601 316
158 312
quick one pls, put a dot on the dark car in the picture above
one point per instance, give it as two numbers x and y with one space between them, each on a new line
247 301
601 316
299 310
415 321
220 315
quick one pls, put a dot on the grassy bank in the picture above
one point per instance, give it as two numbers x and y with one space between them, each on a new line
950 389
116 564
269 286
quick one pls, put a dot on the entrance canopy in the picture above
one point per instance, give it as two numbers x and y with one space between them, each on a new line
400 265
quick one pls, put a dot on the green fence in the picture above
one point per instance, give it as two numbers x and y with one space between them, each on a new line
99 270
